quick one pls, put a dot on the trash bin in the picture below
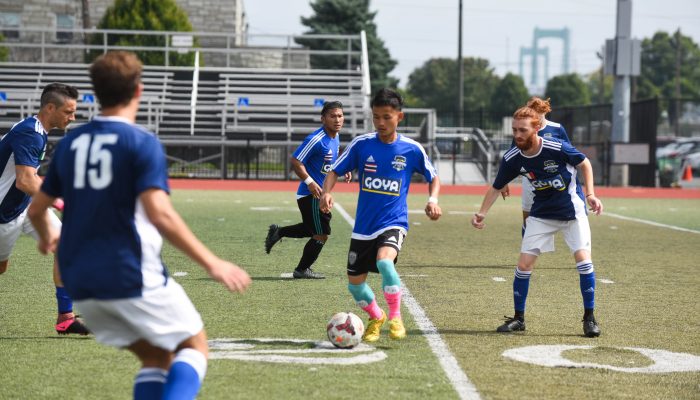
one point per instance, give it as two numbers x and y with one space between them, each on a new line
669 171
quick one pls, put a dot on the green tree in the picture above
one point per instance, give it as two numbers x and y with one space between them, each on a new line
567 90
348 17
509 95
658 69
145 15
4 53
434 84
600 88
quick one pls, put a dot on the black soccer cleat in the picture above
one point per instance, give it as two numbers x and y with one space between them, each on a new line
590 327
273 236
307 274
72 326
512 324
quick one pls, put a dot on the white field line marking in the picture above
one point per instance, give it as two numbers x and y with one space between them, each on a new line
464 387
643 221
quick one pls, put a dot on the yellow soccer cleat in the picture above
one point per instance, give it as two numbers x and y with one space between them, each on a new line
374 327
396 329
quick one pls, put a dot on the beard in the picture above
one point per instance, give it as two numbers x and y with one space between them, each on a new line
527 143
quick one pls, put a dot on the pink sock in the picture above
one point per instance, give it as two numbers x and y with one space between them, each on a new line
394 301
373 310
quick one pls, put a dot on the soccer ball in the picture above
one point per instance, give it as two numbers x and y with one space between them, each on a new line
345 330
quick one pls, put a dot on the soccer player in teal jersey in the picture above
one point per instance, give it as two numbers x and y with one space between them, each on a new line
559 205
113 177
385 161
21 151
311 162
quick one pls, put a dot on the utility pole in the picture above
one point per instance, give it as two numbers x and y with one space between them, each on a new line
460 72
622 59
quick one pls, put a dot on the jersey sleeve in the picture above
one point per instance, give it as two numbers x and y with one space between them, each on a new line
348 159
307 148
563 136
423 164
27 149
52 181
571 154
506 173
150 166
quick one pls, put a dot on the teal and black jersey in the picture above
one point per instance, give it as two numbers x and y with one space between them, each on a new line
384 172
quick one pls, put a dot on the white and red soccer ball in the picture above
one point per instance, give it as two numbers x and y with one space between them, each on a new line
345 330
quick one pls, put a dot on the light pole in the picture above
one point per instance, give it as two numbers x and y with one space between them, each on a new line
460 71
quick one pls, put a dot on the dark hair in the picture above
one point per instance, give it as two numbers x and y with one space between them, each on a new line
57 93
329 105
115 77
387 97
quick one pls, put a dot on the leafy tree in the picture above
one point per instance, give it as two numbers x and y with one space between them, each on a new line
567 90
509 95
600 95
145 15
434 84
348 17
4 53
658 69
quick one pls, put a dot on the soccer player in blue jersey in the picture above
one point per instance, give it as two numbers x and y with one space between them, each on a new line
21 151
113 177
559 206
548 130
385 162
311 162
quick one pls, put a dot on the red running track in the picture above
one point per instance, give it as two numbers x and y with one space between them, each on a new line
418 188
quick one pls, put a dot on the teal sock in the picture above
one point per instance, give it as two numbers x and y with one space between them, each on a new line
362 294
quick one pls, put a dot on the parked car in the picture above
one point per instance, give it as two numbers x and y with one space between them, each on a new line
679 148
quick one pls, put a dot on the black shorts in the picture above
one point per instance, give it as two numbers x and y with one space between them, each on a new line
362 257
315 221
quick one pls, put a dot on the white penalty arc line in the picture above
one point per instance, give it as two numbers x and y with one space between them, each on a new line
461 383
652 223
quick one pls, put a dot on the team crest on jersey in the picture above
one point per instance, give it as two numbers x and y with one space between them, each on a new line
381 185
370 165
551 166
399 163
557 183
547 134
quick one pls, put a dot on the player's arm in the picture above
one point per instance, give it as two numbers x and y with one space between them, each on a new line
39 215
27 180
432 209
489 198
327 198
163 216
588 187
300 169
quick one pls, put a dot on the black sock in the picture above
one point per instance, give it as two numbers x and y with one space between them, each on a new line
588 313
311 251
520 315
294 231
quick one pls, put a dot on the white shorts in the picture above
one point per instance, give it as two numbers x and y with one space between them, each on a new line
528 196
164 317
539 235
9 232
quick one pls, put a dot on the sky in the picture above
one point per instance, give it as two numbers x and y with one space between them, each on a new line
416 30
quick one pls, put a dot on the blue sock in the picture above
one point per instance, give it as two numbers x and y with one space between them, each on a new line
587 281
65 304
362 294
390 278
149 383
186 375
521 284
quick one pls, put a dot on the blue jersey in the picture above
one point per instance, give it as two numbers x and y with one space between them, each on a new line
384 172
108 247
318 152
552 173
24 144
550 130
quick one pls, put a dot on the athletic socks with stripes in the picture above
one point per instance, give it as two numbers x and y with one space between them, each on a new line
521 285
587 283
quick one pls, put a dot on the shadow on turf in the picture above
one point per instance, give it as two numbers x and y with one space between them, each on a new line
418 332
258 278
66 337
506 266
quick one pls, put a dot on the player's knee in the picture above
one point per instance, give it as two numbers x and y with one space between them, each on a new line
321 238
3 266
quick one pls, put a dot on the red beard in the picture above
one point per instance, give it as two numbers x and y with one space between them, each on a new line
527 143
